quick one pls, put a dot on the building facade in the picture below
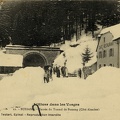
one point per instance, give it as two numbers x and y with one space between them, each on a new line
108 49
36 55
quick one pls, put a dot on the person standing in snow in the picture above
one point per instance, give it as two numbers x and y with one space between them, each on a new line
54 69
50 72
46 76
79 72
84 72
58 71
63 71
66 72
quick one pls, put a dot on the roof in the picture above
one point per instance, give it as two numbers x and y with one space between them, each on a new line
115 30
92 61
11 60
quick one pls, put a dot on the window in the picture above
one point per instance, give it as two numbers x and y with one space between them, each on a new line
104 53
104 65
100 54
2 70
111 52
100 66
110 64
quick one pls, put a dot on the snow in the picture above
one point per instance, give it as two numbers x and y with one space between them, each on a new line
91 62
114 30
100 91
73 54
9 60
24 84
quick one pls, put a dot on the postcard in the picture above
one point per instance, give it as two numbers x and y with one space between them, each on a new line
59 60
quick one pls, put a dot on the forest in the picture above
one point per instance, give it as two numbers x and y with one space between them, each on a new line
39 23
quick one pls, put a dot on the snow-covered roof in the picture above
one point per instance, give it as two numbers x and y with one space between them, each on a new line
115 30
11 60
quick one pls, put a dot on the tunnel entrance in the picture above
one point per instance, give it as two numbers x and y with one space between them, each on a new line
34 60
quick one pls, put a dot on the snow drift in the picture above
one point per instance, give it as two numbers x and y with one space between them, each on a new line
22 86
100 90
73 55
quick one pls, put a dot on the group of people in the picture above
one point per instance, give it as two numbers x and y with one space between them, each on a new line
85 72
60 71
82 73
56 70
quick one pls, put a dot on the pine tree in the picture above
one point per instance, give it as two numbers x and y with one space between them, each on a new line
87 55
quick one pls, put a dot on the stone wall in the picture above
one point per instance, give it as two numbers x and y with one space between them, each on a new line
47 53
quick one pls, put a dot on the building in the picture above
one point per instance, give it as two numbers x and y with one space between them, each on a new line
18 56
108 49
34 56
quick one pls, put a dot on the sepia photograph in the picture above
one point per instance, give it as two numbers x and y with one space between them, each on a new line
59 59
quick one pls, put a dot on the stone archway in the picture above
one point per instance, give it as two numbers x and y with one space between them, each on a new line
34 59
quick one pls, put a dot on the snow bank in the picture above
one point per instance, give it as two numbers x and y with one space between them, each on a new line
74 58
22 86
100 90
9 59
106 79
73 54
